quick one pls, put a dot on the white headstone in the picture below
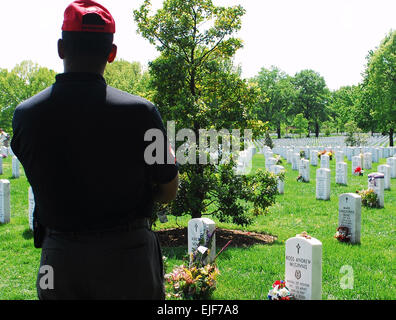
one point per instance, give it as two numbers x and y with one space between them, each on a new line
269 162
392 163
314 157
367 160
376 182
201 229
5 207
281 184
375 154
341 173
31 207
325 161
386 170
304 268
304 170
339 156
323 184
15 167
349 214
295 161
356 162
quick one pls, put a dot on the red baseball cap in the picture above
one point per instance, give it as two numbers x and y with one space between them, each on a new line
88 16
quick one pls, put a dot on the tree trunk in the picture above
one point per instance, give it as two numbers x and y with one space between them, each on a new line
278 131
391 132
309 132
317 130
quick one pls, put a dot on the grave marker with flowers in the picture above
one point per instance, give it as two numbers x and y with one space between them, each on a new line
349 218
303 274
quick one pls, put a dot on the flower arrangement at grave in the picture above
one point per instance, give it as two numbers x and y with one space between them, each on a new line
300 178
278 160
343 234
324 152
279 291
369 198
358 171
302 154
198 280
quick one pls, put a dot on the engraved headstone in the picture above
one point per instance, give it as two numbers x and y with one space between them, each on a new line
385 169
341 173
376 182
304 268
200 229
323 184
5 207
349 214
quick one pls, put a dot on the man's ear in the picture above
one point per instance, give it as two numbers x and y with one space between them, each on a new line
61 49
112 54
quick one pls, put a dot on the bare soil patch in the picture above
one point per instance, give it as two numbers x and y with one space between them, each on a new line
177 237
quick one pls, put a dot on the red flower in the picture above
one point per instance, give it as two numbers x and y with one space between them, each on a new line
358 170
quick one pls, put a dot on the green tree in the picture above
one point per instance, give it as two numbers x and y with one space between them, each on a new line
129 77
276 96
300 124
342 105
196 84
379 84
22 82
311 98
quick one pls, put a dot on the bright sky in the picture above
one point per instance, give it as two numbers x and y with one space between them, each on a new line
331 37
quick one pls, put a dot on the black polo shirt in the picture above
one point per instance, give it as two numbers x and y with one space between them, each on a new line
82 146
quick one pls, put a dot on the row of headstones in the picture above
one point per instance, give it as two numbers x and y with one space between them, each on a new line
385 172
310 153
334 141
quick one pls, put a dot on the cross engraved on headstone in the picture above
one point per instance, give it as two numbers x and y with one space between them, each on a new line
298 248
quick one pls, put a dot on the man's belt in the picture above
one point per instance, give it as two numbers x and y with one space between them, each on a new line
138 223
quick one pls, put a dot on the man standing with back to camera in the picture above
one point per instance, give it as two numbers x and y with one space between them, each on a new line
94 195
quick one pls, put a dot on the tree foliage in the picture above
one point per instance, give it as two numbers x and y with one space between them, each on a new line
379 85
311 98
22 82
276 97
197 85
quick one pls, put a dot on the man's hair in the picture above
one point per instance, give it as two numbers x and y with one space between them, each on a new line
95 45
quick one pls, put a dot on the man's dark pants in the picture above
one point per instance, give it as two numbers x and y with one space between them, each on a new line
102 265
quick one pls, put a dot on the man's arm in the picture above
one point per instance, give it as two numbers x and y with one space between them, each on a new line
165 193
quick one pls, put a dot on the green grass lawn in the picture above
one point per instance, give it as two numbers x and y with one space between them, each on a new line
247 273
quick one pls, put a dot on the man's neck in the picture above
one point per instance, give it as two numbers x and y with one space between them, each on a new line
75 67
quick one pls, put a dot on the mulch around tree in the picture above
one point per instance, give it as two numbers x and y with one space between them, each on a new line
177 237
